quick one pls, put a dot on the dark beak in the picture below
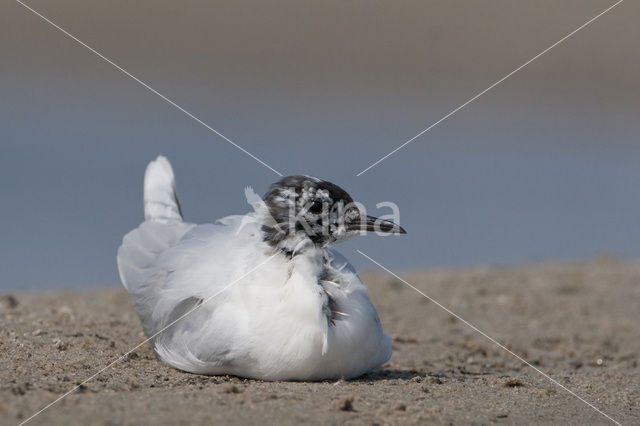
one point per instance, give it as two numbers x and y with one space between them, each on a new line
373 224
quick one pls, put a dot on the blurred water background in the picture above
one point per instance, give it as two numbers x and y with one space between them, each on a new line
543 167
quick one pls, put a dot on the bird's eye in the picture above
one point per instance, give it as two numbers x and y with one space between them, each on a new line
316 207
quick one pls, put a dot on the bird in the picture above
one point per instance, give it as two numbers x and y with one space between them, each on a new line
262 295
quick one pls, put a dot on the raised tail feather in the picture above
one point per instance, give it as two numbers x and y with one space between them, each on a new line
160 197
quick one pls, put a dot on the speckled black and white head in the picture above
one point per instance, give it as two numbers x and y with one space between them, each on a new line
305 209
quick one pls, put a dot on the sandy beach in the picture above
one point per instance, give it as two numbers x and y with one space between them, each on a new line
578 323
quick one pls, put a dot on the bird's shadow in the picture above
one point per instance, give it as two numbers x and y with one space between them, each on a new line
388 374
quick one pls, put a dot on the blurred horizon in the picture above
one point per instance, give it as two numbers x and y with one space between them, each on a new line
542 167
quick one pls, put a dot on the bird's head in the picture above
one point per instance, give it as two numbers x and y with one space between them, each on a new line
303 209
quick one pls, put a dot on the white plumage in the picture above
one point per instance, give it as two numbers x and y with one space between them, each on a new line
263 311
